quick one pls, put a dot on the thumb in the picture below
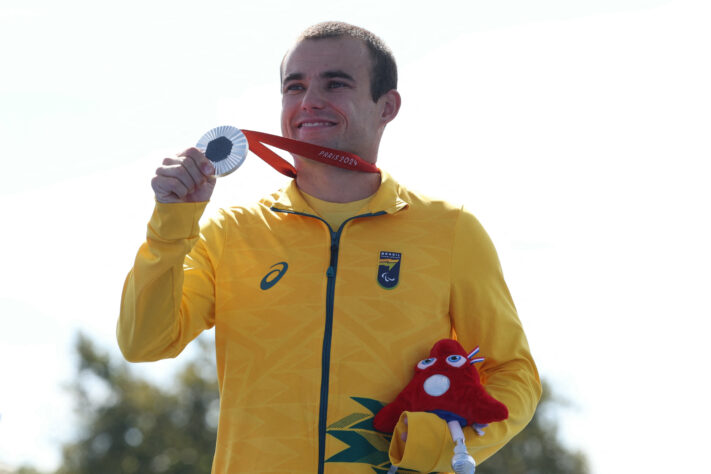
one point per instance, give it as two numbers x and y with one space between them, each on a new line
207 168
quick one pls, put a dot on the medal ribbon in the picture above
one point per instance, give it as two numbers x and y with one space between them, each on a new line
329 156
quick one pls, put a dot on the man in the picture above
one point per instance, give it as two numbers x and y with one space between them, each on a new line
325 294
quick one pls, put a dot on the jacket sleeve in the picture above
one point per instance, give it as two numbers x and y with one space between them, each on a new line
483 314
168 298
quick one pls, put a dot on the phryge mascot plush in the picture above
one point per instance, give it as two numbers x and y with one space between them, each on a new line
447 384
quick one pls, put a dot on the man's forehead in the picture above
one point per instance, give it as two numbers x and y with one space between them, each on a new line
318 56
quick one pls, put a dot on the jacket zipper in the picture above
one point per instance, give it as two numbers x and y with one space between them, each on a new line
328 326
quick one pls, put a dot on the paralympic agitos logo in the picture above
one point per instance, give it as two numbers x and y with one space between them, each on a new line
271 278
389 269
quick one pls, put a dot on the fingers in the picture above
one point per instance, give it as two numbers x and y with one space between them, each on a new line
186 178
479 428
403 433
200 161
168 189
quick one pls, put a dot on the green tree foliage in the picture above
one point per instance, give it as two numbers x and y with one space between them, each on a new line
131 426
26 470
537 449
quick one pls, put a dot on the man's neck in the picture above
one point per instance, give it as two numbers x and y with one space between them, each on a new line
333 184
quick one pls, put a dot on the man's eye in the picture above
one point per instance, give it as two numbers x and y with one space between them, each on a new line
293 87
336 84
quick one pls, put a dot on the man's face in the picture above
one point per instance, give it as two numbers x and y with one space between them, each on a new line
326 96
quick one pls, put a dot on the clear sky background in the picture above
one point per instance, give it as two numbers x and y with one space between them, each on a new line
577 131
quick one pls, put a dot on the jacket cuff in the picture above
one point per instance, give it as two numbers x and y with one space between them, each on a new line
176 221
429 446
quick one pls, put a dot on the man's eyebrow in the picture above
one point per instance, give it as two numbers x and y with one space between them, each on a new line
294 76
338 74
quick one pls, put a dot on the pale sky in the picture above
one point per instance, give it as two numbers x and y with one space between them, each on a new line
577 132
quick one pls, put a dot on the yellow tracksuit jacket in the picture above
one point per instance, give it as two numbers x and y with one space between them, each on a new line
317 328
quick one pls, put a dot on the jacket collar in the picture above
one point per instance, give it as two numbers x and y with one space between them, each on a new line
389 198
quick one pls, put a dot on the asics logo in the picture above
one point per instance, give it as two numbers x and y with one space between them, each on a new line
271 278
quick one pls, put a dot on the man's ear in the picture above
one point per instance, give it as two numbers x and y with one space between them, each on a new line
389 105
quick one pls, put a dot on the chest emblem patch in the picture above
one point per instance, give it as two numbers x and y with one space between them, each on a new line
389 269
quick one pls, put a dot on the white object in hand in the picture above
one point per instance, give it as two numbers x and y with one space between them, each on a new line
226 147
462 462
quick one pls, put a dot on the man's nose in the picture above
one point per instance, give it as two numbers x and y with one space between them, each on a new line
312 99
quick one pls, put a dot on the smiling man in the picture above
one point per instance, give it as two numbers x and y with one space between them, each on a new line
323 295
327 99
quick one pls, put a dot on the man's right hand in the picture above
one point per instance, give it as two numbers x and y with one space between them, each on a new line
187 178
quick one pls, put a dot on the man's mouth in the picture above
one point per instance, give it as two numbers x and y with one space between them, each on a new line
315 124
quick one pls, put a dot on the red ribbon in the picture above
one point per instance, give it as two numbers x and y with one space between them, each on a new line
330 156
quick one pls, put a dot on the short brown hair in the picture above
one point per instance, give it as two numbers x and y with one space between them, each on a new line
383 75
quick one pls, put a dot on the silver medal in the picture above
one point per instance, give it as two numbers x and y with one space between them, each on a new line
226 147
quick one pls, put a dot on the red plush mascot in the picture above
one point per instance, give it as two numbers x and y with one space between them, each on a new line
447 384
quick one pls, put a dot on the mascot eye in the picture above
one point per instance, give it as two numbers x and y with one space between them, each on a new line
423 364
456 360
